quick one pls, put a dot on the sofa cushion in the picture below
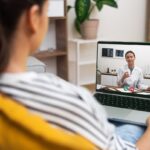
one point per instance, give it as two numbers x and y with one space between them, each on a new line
22 130
33 64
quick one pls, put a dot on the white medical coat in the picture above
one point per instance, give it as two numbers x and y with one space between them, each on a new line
135 78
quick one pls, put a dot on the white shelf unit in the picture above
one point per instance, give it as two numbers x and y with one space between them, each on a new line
83 65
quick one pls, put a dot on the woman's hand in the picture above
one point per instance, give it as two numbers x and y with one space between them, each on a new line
143 143
148 122
125 75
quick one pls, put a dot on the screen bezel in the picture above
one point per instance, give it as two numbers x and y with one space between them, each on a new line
119 43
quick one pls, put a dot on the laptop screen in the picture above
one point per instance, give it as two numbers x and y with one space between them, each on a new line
123 67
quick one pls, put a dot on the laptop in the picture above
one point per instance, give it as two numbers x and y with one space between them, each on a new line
132 106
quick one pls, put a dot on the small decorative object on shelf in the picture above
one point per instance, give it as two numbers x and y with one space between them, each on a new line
83 9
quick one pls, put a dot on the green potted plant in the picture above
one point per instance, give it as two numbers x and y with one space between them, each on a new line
86 26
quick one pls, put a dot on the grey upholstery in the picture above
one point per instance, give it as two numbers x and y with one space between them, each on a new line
33 64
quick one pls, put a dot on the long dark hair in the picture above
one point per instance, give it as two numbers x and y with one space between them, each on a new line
10 13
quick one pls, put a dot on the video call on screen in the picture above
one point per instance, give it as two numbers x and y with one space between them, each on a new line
110 57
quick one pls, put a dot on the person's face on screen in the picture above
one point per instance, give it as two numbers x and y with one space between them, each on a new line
130 58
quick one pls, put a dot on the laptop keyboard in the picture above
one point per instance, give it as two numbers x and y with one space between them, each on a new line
124 101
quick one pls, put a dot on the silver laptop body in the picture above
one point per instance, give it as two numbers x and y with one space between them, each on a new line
110 56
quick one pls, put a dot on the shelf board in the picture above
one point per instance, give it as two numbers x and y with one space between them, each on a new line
82 41
87 62
84 83
110 74
57 18
48 53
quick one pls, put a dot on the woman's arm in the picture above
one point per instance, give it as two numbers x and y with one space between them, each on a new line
121 77
144 142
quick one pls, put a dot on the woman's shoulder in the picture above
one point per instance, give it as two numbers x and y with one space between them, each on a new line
78 91
46 79
48 84
63 85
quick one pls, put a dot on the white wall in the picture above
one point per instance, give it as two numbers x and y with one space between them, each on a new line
142 53
127 23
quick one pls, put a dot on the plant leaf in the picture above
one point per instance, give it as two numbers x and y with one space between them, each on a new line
82 8
100 3
111 3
